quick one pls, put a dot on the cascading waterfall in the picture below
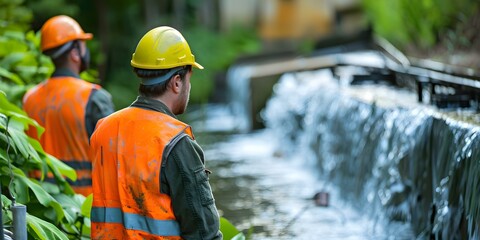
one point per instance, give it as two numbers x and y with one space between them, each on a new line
397 159
238 78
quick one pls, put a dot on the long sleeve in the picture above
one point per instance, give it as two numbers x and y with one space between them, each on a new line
185 179
99 106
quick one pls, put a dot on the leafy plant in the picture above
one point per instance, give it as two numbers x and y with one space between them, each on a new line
417 22
229 231
21 63
53 210
216 52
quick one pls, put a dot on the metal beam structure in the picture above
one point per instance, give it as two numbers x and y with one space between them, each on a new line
387 64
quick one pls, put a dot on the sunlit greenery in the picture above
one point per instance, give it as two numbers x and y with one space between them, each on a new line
53 211
21 62
423 23
216 52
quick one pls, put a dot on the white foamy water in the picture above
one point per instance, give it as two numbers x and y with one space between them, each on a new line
255 187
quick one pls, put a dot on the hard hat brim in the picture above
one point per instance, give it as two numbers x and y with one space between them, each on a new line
197 65
86 36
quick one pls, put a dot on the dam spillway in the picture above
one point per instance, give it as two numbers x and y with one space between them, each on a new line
397 159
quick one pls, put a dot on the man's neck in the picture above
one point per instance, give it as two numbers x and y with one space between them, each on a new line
165 100
65 72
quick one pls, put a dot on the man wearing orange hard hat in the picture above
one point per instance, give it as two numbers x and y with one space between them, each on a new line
65 105
149 175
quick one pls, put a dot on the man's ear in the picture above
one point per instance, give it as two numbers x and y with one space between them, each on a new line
176 83
75 55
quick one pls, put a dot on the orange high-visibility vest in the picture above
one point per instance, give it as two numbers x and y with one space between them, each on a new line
130 147
58 105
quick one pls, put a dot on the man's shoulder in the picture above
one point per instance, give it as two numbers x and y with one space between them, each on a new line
100 95
33 91
87 84
186 142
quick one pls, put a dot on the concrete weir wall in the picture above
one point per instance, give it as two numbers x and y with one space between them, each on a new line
395 158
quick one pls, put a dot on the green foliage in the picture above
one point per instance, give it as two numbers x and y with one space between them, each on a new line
90 75
216 52
21 62
229 231
420 22
40 229
50 8
14 16
54 211
50 207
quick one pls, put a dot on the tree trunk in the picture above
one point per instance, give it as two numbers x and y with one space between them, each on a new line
207 13
179 8
103 36
152 12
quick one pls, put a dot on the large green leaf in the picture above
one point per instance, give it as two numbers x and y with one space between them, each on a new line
43 230
90 75
14 92
17 35
6 203
59 168
42 196
20 141
76 209
71 206
26 71
33 38
10 76
239 236
36 145
11 110
3 156
87 206
9 46
229 231
12 59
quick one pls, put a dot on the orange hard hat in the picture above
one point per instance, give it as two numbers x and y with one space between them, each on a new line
59 30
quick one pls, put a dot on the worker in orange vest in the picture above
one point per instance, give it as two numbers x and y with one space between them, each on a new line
149 175
65 105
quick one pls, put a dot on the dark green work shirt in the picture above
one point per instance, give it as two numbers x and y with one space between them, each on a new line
185 179
99 103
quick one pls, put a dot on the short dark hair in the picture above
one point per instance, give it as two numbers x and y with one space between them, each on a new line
157 89
62 59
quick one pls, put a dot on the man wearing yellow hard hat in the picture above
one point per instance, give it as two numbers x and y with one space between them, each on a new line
65 105
149 175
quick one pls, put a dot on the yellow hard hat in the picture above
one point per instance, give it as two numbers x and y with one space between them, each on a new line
163 48
59 30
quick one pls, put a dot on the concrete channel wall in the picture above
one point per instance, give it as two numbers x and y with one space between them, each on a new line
391 156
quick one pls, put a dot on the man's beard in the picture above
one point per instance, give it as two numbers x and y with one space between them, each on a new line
85 60
184 98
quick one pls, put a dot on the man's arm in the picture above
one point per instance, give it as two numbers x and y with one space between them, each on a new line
99 106
186 181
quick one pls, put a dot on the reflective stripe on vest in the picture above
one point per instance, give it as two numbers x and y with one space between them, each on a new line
134 221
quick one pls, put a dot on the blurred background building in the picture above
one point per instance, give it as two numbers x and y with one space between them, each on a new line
286 23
